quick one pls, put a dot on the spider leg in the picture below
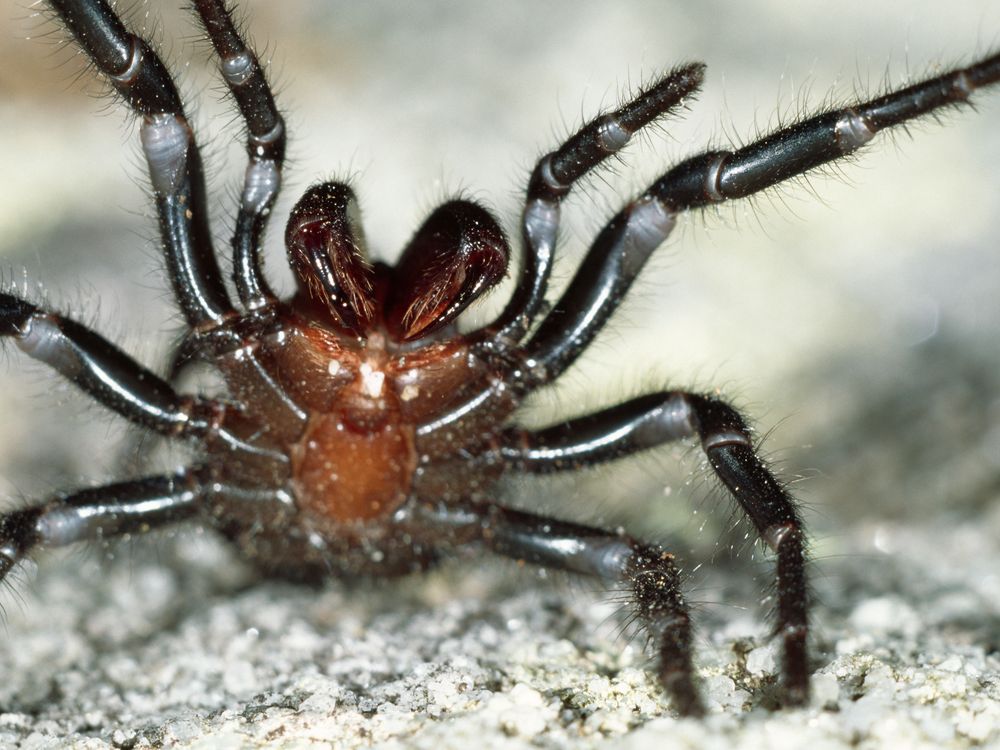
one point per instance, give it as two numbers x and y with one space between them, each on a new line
659 418
554 176
101 512
622 248
265 148
133 69
605 276
115 380
647 570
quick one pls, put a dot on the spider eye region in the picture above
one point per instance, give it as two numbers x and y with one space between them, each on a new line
458 254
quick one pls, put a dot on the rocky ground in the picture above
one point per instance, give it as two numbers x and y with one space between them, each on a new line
183 653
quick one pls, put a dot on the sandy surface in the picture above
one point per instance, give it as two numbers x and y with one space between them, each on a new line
855 319
135 655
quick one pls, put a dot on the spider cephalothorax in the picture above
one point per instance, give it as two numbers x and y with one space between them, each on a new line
366 330
361 433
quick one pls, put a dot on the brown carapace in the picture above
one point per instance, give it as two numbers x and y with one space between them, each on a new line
361 433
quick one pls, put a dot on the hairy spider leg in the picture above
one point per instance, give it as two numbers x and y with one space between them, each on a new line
265 148
102 370
645 569
658 418
135 71
619 253
552 179
622 248
114 379
114 510
556 173
178 180
266 143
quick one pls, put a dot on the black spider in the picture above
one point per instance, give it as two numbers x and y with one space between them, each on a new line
362 434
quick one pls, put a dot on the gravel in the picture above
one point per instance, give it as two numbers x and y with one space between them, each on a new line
192 653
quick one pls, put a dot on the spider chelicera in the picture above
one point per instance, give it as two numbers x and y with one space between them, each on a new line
361 433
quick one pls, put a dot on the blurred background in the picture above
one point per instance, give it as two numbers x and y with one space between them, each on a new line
853 315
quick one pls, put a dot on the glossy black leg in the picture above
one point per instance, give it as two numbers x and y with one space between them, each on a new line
114 379
659 418
648 572
606 274
133 507
265 147
618 431
140 78
622 248
625 244
554 176
723 175
727 443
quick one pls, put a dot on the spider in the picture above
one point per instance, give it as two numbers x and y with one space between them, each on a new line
361 434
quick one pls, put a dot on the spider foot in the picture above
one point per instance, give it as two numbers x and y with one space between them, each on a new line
655 582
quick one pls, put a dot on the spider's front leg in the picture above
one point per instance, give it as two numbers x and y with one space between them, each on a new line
658 418
265 148
134 70
554 176
647 570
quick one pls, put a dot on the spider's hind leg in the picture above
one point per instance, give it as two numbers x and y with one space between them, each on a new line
98 513
648 572
132 507
658 418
